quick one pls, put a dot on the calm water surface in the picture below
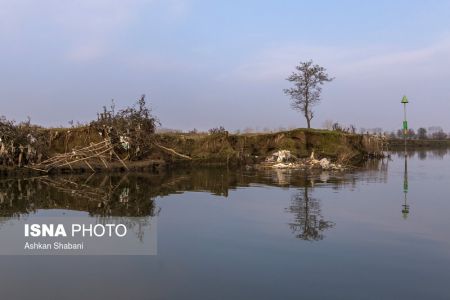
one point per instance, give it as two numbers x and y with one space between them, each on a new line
380 232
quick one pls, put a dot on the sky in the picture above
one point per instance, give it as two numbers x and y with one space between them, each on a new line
204 64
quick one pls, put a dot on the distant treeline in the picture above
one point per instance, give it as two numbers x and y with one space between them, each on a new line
422 133
429 133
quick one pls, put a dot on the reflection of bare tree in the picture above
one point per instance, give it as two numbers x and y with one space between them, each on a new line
308 221
422 154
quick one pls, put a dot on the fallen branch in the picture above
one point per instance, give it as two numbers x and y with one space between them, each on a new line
172 151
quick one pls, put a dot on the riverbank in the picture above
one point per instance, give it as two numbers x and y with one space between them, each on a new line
193 149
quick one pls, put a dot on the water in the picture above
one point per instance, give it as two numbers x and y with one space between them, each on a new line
379 232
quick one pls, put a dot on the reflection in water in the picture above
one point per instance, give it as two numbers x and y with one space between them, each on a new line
98 195
375 170
106 198
133 195
248 239
439 153
308 221
423 153
405 210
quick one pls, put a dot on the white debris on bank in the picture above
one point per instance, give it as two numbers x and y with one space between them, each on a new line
282 156
125 142
283 159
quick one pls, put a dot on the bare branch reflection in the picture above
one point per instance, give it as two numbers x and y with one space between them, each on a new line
309 223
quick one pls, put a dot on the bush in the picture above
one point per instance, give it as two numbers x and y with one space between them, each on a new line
218 131
130 129
21 143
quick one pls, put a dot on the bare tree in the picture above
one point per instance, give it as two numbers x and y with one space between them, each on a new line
440 135
307 87
422 133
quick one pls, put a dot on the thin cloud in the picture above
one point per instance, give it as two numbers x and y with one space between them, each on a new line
86 29
85 53
275 63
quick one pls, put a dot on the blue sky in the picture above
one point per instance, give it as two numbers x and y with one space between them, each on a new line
210 63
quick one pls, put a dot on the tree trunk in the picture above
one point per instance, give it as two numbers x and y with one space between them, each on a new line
308 119
307 115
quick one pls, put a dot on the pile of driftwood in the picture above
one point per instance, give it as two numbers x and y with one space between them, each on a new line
103 152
